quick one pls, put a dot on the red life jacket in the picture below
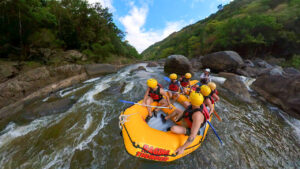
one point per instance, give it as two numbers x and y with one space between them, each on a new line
188 114
155 95
184 82
174 86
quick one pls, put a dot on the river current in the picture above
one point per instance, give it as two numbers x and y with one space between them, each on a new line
87 135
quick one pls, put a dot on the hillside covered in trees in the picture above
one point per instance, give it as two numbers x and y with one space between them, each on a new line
26 26
253 28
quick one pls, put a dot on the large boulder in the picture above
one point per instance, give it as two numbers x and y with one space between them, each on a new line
100 69
178 64
280 88
227 61
196 63
236 86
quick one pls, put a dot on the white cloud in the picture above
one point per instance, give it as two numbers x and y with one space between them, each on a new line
105 4
138 36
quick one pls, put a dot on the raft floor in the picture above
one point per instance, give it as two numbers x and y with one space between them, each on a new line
158 124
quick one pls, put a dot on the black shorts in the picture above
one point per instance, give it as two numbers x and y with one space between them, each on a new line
158 100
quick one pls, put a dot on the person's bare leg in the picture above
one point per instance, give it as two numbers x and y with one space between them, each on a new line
149 101
178 129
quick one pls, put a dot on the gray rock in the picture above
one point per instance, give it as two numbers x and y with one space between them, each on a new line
227 61
280 89
178 64
140 68
152 64
49 108
292 71
248 63
236 86
261 63
100 69
196 63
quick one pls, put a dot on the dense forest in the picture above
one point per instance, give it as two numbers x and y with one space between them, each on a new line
253 28
28 25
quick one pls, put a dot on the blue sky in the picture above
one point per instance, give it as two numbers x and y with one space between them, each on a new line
148 21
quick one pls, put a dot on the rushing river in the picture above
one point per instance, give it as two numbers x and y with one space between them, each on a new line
87 135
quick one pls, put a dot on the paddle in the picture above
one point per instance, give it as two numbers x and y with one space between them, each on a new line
167 79
129 102
215 133
217 115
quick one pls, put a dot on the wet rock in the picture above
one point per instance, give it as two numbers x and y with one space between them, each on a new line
292 71
196 63
178 64
227 61
49 108
54 107
236 86
281 89
248 63
152 64
140 68
261 63
100 69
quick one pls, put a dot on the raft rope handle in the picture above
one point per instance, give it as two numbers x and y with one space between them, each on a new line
123 119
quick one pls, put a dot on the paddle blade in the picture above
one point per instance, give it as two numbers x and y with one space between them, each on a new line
167 79
124 101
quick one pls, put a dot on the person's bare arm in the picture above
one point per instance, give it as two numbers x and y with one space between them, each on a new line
146 95
216 97
210 105
162 92
197 120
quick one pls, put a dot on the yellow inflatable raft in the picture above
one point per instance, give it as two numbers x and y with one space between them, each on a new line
146 142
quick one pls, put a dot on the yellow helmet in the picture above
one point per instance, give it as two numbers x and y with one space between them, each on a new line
196 99
173 76
212 85
205 90
152 83
188 75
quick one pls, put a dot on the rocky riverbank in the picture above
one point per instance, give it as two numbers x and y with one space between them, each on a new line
15 91
277 85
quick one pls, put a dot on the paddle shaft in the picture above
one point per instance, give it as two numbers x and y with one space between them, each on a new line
217 115
215 132
160 107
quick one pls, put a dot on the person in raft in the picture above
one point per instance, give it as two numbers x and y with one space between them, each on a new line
208 101
185 81
205 77
214 92
155 93
193 118
174 87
